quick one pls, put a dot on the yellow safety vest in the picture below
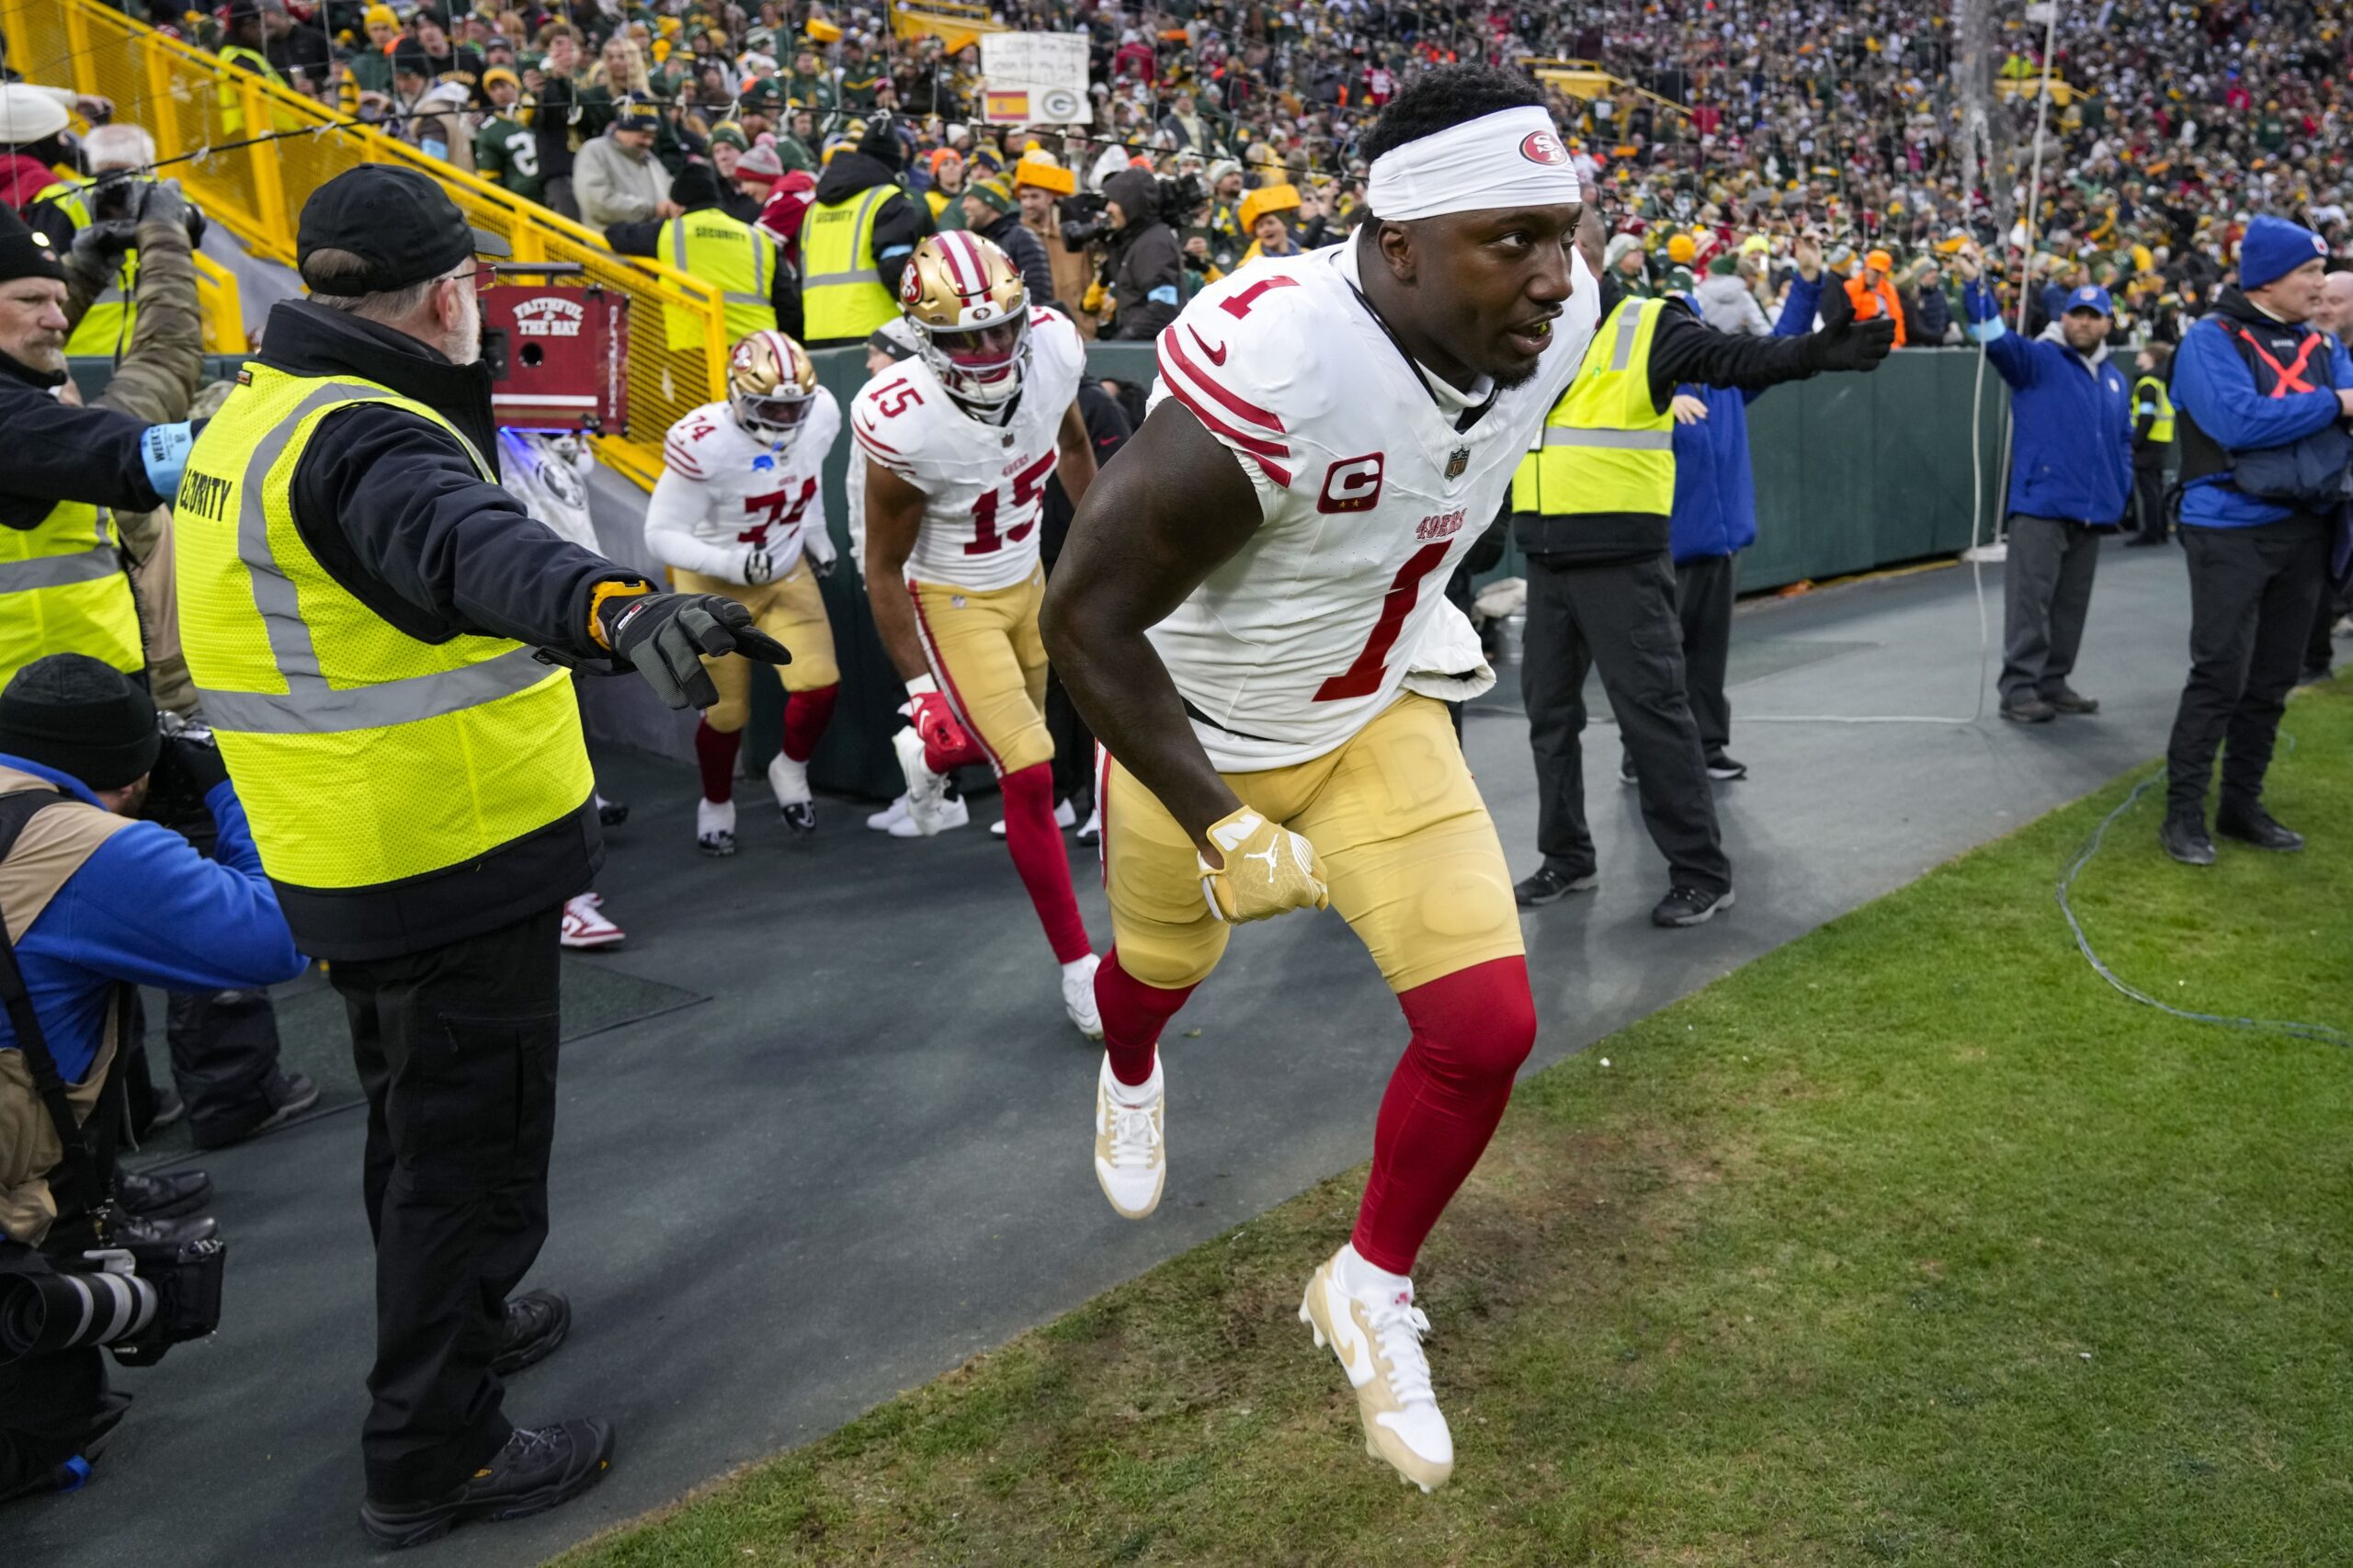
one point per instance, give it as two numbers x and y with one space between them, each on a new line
362 754
62 590
710 245
842 296
2150 393
232 95
1606 446
105 328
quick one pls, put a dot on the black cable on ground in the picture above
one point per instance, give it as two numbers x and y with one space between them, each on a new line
2321 1032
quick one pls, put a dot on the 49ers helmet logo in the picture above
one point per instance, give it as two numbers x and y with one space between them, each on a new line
910 287
1543 147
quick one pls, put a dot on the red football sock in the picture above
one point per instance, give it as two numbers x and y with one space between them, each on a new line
1133 1016
1038 855
806 714
1472 1031
715 754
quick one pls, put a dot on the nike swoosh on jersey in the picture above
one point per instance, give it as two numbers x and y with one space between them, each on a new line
1215 356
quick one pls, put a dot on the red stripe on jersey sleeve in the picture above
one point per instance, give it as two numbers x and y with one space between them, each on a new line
1279 475
678 460
1258 449
1240 407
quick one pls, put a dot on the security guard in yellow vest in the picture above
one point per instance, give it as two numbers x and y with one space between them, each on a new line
754 281
62 586
248 36
363 609
1590 508
2151 443
855 241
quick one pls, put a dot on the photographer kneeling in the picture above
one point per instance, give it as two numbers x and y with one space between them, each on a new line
92 903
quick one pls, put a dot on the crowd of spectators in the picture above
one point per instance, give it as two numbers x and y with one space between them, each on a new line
1721 134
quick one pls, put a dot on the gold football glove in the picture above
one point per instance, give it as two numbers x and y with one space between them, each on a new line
1268 870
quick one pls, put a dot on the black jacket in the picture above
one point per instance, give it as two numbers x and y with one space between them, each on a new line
1683 349
899 223
396 514
1028 257
1145 266
1107 428
60 453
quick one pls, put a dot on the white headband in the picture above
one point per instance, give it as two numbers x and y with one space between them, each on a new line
1511 158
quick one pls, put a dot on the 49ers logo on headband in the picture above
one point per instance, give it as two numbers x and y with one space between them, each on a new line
1543 147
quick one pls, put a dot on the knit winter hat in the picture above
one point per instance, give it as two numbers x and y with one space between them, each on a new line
82 717
1725 266
26 252
2273 247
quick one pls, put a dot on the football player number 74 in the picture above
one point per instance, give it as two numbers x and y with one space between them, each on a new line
1029 486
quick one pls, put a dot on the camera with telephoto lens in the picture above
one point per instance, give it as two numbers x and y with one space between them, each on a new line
184 772
1083 218
137 1301
119 196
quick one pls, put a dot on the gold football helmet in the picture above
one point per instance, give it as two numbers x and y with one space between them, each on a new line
770 386
969 311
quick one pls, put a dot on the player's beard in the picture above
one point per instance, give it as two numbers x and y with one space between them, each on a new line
1507 379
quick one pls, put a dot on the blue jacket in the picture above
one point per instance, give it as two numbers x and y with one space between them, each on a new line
1715 494
2070 446
146 907
2211 384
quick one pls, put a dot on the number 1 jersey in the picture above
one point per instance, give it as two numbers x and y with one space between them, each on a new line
1372 496
984 485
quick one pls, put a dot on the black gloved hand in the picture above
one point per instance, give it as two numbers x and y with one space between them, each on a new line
101 247
665 636
1841 343
186 769
163 202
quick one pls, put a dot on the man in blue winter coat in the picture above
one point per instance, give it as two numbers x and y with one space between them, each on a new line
1714 520
2261 395
2071 480
95 903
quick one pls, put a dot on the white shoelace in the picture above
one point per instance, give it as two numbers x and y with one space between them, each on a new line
1399 1326
1134 1135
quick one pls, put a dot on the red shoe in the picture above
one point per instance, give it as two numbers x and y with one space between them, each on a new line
584 924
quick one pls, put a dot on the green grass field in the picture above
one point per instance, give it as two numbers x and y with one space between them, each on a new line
1910 1243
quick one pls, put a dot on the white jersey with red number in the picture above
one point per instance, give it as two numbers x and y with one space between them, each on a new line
1370 497
725 493
984 485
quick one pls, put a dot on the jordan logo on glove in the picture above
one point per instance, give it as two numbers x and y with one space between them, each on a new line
1293 879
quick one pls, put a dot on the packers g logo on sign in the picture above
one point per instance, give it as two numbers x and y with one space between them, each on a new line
1543 147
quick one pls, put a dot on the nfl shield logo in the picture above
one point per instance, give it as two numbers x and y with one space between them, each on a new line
1457 461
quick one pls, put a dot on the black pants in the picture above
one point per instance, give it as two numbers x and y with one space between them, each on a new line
1703 595
456 1046
2046 594
224 1044
2251 596
1621 617
1073 746
2149 502
2320 649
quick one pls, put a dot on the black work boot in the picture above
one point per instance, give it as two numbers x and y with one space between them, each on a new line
537 1321
2250 824
537 1470
2184 837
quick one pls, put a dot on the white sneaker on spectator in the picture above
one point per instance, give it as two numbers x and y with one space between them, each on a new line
1064 815
584 924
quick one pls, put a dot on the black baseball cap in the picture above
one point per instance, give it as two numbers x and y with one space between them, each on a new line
399 220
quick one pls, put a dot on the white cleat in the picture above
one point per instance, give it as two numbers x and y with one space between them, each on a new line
715 826
1064 815
890 816
926 790
1091 831
789 779
1078 996
584 923
1378 1341
953 814
1131 1157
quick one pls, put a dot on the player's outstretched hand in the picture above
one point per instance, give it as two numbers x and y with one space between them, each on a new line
666 635
1268 870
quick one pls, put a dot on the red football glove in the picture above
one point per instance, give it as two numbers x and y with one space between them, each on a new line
946 745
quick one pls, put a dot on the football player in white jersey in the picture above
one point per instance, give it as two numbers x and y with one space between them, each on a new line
740 510
958 442
1251 613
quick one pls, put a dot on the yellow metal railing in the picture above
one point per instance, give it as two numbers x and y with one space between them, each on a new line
183 95
224 315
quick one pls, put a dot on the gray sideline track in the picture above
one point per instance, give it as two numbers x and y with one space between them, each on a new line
864 1157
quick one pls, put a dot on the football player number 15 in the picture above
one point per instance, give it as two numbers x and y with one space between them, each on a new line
1029 486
